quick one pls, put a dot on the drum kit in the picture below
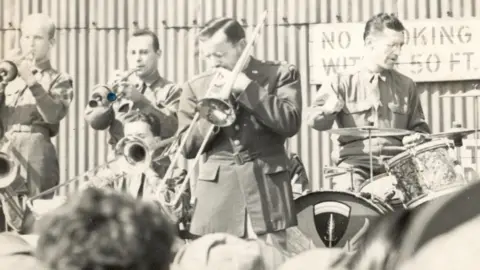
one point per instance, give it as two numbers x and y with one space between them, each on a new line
424 173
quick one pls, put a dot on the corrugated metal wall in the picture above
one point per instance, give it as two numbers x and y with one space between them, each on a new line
92 35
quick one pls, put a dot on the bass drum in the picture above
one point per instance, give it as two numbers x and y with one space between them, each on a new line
330 218
440 216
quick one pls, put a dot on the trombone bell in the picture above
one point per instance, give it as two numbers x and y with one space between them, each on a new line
8 71
135 153
217 111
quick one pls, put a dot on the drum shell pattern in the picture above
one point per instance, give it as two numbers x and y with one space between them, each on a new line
92 35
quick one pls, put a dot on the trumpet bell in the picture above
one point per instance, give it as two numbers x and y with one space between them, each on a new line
216 111
8 71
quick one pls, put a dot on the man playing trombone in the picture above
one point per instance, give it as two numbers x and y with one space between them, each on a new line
149 92
149 185
243 186
32 106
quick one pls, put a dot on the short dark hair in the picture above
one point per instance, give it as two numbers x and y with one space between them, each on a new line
106 229
381 21
232 29
138 116
146 32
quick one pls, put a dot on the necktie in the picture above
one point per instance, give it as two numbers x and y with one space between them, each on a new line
375 98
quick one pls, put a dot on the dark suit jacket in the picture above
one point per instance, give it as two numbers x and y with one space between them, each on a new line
246 167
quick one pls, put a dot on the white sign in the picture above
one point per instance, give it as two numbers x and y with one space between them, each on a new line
435 50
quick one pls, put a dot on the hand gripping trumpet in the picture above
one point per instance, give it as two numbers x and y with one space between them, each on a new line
108 93
9 70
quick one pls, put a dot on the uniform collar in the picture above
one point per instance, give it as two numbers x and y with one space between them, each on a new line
43 66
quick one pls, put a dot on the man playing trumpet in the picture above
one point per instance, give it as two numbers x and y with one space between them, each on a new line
31 109
148 91
243 186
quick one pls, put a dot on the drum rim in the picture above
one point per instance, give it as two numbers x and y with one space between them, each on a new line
433 195
421 148
356 195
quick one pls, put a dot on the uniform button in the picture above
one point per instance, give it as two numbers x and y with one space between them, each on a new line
236 142
237 127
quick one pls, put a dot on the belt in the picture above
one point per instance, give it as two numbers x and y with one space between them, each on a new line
245 156
29 129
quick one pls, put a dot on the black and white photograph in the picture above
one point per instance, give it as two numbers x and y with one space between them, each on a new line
239 134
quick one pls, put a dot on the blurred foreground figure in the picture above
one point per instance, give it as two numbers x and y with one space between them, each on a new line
104 229
224 251
16 253
457 249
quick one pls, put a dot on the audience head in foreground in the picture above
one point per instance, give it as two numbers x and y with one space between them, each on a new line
105 229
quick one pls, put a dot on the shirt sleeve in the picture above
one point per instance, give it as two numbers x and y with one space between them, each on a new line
280 111
53 104
317 116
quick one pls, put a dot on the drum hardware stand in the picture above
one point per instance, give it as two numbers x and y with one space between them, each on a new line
475 119
371 154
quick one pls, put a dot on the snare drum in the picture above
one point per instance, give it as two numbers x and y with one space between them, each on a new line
424 170
330 218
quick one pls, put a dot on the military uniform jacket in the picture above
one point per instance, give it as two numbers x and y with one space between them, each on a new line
246 164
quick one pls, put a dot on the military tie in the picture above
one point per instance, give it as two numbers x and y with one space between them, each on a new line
375 98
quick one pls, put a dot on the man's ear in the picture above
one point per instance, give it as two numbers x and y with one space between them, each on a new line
241 44
159 53
51 42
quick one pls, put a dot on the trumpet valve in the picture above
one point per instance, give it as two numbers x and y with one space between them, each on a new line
8 71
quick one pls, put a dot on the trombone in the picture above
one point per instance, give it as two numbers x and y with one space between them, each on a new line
216 109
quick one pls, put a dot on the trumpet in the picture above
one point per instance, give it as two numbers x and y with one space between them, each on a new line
9 70
107 94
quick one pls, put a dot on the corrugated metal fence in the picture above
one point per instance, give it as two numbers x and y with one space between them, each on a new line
92 35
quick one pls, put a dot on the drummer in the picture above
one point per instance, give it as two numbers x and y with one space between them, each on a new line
374 94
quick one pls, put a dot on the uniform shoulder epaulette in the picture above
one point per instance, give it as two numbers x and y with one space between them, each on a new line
275 63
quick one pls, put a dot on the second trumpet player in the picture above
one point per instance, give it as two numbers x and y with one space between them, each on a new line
32 107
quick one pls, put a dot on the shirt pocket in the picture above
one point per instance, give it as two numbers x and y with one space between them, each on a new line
356 113
399 113
208 172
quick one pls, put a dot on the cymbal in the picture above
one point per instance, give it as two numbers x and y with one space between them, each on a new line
453 133
370 131
470 93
